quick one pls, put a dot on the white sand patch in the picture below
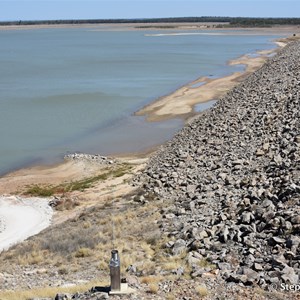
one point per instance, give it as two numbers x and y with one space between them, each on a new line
21 218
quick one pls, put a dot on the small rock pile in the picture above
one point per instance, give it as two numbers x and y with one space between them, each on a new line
87 295
233 175
90 157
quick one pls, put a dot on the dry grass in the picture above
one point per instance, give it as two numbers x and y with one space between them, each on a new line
83 252
201 291
32 258
153 288
204 263
63 270
170 297
46 291
103 265
172 265
173 262
150 279
152 282
66 204
79 185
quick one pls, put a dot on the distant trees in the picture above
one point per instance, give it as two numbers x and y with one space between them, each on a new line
232 22
263 22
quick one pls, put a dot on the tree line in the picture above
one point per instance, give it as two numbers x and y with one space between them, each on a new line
229 21
261 22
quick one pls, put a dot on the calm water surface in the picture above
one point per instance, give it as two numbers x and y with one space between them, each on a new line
67 90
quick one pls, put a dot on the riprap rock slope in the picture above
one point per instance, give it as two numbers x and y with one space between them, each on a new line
233 177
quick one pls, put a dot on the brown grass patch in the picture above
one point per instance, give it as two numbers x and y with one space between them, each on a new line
201 291
46 292
79 185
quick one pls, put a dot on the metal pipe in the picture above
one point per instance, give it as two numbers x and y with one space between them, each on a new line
114 266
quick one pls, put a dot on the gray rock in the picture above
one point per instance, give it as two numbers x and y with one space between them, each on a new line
289 275
192 260
247 217
258 267
252 276
180 271
101 296
63 297
277 240
224 234
131 269
296 220
179 247
260 152
279 260
224 266
268 216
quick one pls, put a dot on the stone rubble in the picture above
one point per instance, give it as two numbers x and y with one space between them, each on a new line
233 175
95 158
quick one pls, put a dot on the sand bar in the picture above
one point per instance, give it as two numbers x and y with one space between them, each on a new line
182 101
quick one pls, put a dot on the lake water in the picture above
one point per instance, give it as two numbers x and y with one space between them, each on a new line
76 89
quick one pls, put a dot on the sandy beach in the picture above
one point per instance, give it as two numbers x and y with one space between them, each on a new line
28 216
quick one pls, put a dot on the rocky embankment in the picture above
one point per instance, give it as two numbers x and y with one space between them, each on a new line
233 175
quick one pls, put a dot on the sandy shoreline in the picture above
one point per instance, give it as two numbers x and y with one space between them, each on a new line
182 101
190 26
116 26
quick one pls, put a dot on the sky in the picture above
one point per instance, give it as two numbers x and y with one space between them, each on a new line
12 10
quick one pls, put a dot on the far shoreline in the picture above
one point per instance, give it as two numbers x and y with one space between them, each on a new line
162 26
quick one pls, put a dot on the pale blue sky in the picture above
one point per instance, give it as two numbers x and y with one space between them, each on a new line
106 9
